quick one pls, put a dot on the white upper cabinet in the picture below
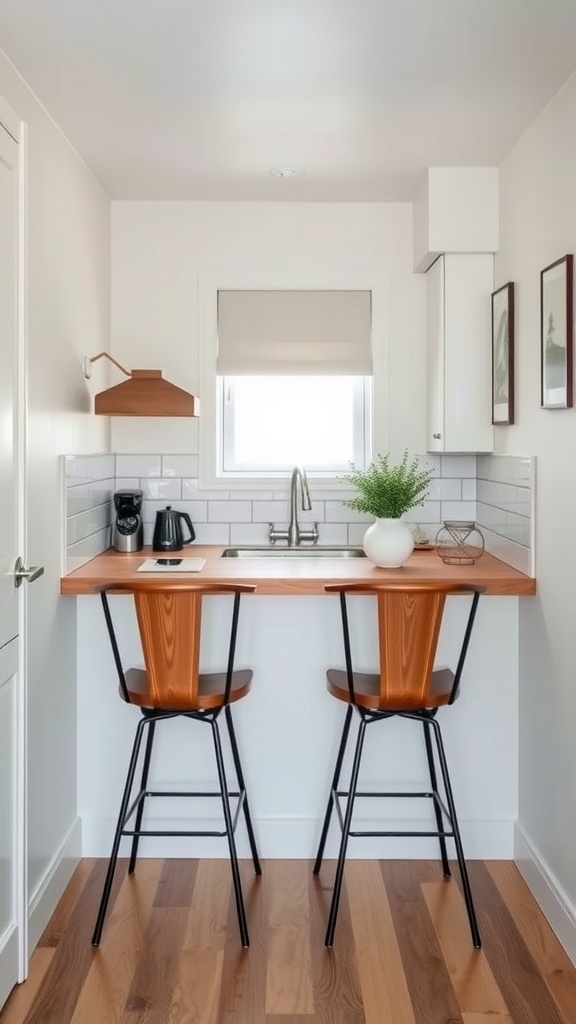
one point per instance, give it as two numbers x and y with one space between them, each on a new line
459 376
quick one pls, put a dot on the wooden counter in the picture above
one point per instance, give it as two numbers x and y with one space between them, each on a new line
302 575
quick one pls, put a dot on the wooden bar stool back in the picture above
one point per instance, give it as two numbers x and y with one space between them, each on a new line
169 616
406 685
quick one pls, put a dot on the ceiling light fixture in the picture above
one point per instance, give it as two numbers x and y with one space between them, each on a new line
287 172
145 393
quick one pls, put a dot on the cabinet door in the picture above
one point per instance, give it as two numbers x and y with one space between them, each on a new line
459 353
435 356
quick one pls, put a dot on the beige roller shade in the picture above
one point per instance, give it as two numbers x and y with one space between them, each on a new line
294 332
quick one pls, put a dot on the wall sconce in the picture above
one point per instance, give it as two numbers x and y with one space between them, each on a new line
145 393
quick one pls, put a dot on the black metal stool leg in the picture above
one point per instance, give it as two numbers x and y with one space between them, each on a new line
230 834
334 786
242 788
345 834
434 784
457 840
118 833
143 784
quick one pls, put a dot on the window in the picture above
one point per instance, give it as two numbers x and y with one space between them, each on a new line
272 423
274 394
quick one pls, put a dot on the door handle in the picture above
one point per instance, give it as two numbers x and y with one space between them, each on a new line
31 574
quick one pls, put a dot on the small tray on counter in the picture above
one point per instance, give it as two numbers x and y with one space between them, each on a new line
184 565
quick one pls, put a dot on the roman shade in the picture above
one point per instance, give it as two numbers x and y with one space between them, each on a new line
294 332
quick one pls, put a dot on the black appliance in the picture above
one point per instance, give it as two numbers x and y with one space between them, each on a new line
168 535
127 531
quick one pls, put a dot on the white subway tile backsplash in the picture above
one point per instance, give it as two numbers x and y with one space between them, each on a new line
469 490
139 465
89 495
508 496
356 533
180 465
127 483
336 512
162 490
84 468
458 510
459 465
429 512
334 533
212 533
248 533
85 524
229 511
84 550
192 492
445 489
270 512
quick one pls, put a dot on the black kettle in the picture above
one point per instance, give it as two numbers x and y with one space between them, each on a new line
168 534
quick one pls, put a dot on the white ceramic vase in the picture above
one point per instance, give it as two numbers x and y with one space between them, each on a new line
388 543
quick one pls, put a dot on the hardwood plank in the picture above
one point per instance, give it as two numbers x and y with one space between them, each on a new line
337 996
210 910
429 984
59 921
242 997
526 994
153 985
22 996
485 1018
281 1018
472 979
549 955
289 975
177 882
70 964
106 988
383 983
197 990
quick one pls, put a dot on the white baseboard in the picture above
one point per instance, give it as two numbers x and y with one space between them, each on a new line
547 891
44 899
298 838
8 963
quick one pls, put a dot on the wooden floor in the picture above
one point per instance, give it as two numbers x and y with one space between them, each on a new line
170 952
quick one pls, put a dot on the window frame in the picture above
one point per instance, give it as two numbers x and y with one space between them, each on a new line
210 475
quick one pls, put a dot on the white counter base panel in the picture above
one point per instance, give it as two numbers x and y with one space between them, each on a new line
288 729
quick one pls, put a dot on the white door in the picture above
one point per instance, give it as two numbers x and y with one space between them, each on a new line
11 711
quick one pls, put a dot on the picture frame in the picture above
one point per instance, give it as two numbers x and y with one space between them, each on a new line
556 333
503 354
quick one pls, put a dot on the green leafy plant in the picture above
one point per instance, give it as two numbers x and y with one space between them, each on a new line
387 492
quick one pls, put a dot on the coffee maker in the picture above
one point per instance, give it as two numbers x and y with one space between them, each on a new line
127 531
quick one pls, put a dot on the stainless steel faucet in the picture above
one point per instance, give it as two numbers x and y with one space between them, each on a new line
294 535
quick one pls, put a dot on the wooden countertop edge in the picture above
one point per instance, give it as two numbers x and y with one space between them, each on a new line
292 576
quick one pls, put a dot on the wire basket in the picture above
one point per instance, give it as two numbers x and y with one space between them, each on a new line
459 542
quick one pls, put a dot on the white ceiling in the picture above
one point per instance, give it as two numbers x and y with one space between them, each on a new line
181 99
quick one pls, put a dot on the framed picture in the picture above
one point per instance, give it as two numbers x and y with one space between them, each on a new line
556 301
503 354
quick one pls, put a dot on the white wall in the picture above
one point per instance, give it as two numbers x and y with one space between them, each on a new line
158 248
68 314
538 203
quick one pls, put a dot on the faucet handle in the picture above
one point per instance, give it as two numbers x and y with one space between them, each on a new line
309 535
274 534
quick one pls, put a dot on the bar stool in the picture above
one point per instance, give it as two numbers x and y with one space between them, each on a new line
171 686
406 686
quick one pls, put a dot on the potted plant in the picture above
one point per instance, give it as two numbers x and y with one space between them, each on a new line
387 492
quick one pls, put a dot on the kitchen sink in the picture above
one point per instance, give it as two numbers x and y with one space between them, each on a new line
300 552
